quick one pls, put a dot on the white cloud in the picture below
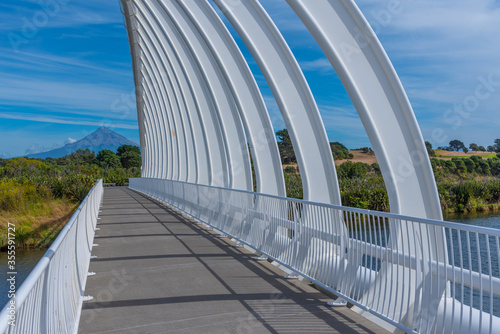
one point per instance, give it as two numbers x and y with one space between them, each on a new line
69 141
73 14
35 148
320 65
68 120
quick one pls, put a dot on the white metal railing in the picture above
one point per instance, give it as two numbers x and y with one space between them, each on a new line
50 299
418 275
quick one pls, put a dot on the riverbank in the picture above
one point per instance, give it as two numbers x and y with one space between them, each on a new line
37 228
40 196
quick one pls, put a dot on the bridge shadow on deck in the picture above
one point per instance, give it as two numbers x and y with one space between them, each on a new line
157 272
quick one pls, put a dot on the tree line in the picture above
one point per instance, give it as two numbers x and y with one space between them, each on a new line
464 183
457 145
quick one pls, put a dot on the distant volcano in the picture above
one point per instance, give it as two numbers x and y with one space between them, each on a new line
101 139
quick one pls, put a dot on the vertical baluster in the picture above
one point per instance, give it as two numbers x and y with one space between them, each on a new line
490 273
481 292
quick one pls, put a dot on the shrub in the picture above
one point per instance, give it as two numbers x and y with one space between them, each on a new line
21 196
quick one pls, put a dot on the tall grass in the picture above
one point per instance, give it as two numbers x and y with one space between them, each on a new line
22 196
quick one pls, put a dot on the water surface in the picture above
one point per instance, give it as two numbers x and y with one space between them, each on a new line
25 262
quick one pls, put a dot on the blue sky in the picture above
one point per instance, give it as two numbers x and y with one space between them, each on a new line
65 70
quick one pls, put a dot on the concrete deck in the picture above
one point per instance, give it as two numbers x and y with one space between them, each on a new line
159 273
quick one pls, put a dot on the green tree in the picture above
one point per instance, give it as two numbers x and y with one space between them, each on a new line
484 168
80 157
482 149
351 170
470 164
497 145
108 159
127 148
473 147
285 146
340 152
430 151
367 150
130 156
130 159
456 145
495 167
460 166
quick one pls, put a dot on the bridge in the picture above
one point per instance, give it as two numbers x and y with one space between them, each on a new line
203 125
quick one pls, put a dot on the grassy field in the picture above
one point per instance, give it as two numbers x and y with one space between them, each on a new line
369 158
447 155
37 226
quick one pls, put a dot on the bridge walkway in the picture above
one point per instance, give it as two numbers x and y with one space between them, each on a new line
157 272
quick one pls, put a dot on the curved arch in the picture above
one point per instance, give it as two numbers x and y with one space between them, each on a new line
292 93
359 59
151 103
196 70
178 51
182 132
240 175
249 101
159 101
190 107
126 7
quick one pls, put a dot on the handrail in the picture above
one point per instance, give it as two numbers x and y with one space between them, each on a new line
358 255
441 223
71 249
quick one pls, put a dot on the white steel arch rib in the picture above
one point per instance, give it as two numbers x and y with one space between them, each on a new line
178 51
223 175
180 131
159 129
148 143
131 26
376 91
156 107
240 175
190 108
249 101
150 104
292 93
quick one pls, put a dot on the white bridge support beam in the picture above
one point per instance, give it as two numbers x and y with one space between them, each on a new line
249 101
292 93
198 94
190 106
169 88
357 56
240 175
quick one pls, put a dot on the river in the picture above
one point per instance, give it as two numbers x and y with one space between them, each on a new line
26 260
482 219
